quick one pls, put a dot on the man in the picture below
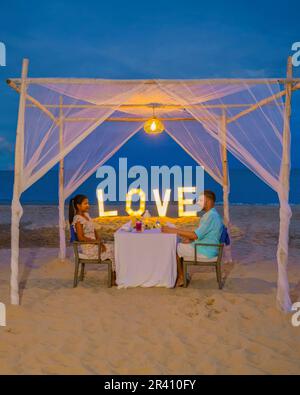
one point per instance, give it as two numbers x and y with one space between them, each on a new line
209 231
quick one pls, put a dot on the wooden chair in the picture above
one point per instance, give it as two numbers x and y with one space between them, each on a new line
81 259
213 262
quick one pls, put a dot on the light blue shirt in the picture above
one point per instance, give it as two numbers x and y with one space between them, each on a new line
209 232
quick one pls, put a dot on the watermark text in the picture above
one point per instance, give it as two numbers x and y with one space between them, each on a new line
296 55
2 54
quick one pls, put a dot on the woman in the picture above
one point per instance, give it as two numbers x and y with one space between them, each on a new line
84 227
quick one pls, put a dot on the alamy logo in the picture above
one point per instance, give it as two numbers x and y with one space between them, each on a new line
153 185
2 314
296 315
296 56
149 180
2 55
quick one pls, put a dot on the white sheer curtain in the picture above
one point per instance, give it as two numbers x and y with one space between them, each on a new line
201 146
93 151
42 148
254 137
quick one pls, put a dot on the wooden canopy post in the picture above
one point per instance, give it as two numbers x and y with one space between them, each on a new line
223 130
16 208
61 198
283 296
223 134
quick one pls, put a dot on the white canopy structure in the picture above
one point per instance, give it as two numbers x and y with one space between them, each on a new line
80 123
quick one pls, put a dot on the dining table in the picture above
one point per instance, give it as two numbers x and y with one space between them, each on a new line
145 258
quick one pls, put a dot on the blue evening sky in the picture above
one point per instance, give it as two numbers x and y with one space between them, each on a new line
137 39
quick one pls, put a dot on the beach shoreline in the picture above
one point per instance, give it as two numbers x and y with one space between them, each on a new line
199 330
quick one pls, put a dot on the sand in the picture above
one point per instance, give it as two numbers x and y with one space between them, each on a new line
199 330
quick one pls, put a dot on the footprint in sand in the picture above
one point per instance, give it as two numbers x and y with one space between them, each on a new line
212 311
210 302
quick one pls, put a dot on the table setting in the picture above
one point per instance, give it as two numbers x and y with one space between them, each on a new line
144 256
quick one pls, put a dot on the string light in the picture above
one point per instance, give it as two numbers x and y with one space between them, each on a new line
162 206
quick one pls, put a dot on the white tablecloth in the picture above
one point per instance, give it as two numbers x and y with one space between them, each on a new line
145 259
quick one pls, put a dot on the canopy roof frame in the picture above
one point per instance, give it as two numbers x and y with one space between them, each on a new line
291 84
154 81
251 107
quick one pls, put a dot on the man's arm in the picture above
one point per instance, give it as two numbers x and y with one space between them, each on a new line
198 234
187 234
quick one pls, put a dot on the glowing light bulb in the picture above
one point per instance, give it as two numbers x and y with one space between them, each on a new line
153 126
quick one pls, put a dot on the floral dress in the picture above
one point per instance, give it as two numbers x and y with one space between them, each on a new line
91 250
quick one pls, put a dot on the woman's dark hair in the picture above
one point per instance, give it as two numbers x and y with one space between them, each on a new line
78 199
